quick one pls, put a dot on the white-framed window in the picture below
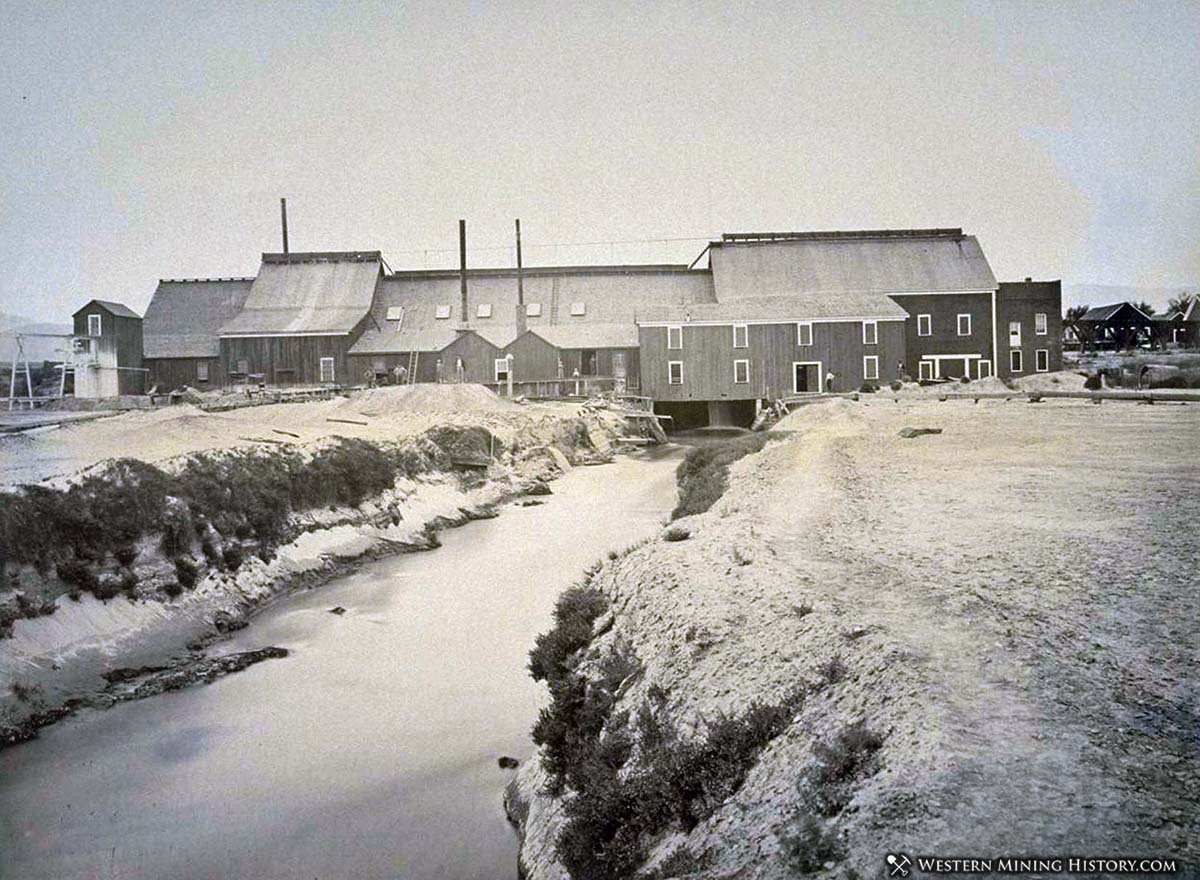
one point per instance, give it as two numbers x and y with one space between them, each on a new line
578 309
94 325
483 310
202 371
674 372
533 310
741 336
984 370
442 312
1040 324
501 368
1014 361
964 325
675 338
395 313
924 325
871 367
1041 360
804 333
925 370
741 372
870 333
326 367
1014 333
243 366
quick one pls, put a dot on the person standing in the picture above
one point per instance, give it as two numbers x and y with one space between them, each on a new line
438 368
460 371
829 377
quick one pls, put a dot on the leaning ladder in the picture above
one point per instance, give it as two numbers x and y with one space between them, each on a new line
414 358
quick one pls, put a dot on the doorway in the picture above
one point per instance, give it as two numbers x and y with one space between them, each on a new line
806 377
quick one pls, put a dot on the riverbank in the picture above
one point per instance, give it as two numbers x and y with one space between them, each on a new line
86 626
970 642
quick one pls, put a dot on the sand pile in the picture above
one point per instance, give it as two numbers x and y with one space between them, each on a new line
991 384
426 398
1063 380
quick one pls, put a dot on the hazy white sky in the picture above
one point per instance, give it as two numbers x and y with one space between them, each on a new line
147 140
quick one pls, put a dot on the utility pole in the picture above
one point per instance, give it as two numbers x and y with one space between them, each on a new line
283 220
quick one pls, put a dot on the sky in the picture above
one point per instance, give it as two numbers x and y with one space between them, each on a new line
148 140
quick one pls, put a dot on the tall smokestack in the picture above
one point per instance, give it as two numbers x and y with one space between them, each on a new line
521 322
462 266
283 220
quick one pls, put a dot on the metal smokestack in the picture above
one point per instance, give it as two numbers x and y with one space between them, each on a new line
283 220
521 320
462 266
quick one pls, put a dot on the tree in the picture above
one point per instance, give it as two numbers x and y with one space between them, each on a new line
1179 303
1071 321
1145 307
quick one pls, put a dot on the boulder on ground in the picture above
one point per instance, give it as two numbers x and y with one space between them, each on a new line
907 433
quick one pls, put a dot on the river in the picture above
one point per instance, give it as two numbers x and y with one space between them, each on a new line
369 752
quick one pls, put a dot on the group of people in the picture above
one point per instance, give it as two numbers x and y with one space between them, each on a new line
399 376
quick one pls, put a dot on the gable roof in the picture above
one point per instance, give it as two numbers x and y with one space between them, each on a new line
784 309
308 293
1107 313
1192 313
120 310
747 265
184 317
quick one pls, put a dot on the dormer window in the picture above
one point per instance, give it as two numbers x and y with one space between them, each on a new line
578 309
533 310
93 325
442 313
483 310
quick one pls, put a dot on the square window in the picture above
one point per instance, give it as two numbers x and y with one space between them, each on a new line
442 312
924 325
395 313
1041 360
533 310
964 325
1040 324
741 372
243 366
804 333
675 338
1014 361
871 367
578 309
674 372
483 310
379 365
202 371
741 336
870 333
93 325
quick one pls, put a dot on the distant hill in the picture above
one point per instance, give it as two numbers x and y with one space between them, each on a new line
36 349
1103 294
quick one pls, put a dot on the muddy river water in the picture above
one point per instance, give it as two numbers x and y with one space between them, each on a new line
369 752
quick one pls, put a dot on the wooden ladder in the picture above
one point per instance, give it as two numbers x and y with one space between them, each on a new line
414 358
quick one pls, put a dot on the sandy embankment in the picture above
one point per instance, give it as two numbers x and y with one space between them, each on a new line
1013 601
60 660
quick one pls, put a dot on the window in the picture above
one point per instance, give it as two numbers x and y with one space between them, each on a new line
984 369
243 366
870 333
964 325
1014 333
674 338
924 325
202 371
804 333
578 309
1039 324
741 372
871 367
533 310
925 370
379 365
674 372
326 368
395 313
741 336
93 325
442 312
1041 360
501 366
483 310
1014 361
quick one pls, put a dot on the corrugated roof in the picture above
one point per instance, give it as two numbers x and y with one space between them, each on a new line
119 309
589 335
184 317
308 293
896 261
802 307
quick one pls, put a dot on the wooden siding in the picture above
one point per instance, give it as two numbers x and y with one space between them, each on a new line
708 355
1023 301
478 356
119 344
171 373
944 310
288 360
534 358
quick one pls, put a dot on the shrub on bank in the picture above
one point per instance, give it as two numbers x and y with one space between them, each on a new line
703 475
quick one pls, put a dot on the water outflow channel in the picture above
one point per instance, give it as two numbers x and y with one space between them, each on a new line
369 752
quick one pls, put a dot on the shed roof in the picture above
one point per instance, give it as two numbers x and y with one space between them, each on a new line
185 317
746 265
119 309
328 292
589 335
802 307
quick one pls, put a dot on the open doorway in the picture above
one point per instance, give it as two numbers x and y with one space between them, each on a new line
806 377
